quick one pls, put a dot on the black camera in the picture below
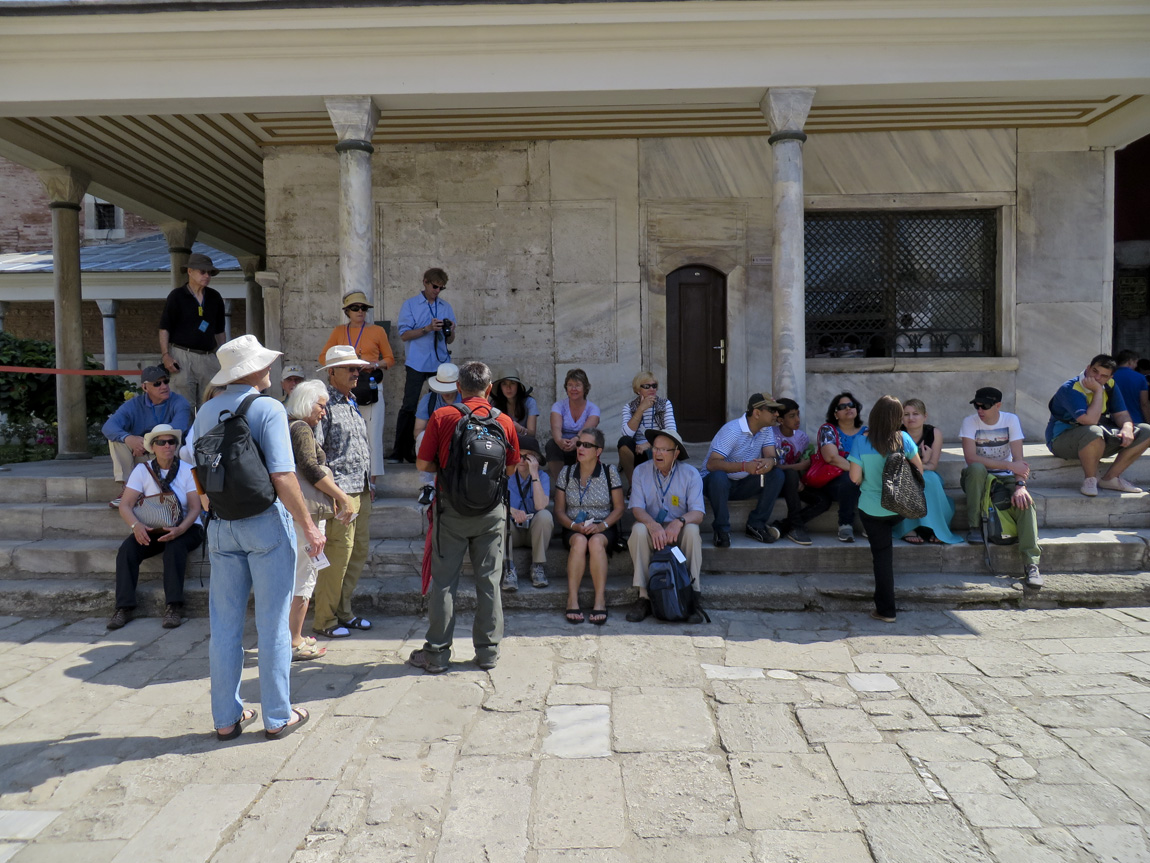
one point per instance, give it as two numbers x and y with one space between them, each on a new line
448 326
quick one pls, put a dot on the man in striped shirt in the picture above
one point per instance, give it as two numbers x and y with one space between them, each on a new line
741 464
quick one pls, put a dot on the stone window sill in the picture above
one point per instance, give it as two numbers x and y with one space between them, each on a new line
857 365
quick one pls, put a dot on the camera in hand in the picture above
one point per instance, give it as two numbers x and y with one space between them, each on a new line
448 326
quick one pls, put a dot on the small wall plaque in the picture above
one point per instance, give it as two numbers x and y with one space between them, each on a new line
761 260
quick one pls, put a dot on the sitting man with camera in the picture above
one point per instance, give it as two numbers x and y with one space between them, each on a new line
426 328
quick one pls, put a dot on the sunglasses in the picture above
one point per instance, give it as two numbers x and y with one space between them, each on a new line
165 442
582 444
982 407
648 386
358 308
432 285
162 382
846 406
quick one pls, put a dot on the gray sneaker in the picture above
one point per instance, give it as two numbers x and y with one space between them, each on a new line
1033 576
974 536
846 533
538 576
510 582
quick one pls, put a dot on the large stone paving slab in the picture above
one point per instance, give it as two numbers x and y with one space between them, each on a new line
920 834
578 804
759 728
679 794
661 719
779 791
487 817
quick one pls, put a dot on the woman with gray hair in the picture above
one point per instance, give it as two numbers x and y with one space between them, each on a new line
305 408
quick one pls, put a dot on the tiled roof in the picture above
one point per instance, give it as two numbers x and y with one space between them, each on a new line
144 255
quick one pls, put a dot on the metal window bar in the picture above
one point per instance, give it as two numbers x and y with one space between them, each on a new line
905 283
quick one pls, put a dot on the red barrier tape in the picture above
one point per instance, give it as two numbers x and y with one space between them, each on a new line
29 370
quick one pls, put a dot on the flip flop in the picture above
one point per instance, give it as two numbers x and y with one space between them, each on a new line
601 614
934 540
356 623
304 652
249 716
913 539
569 616
288 728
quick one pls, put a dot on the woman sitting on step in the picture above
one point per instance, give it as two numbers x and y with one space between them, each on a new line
833 441
935 526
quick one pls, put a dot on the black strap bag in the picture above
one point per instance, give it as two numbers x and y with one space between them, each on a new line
231 468
903 488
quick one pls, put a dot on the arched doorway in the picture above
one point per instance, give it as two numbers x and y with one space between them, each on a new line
696 350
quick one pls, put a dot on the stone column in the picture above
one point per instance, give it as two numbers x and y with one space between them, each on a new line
786 110
227 320
66 187
354 119
3 313
180 236
255 297
108 309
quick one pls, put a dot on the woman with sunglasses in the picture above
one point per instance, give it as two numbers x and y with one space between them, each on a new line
164 474
371 345
648 410
588 506
834 441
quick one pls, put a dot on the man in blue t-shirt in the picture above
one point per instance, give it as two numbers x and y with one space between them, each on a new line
1089 422
426 328
1132 384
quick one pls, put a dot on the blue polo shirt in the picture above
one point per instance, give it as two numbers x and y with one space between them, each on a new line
679 493
1073 400
266 418
426 353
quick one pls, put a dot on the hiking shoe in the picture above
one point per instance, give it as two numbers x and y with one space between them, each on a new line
122 616
510 582
422 659
487 663
974 536
846 533
798 534
1090 486
722 539
1033 576
641 610
765 533
538 576
426 495
173 616
1119 484
114 504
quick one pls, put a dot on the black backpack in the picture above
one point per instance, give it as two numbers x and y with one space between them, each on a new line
669 588
474 479
231 467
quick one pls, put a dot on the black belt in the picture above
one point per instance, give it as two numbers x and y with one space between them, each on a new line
194 351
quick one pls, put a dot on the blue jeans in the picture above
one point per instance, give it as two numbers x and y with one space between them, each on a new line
720 488
247 554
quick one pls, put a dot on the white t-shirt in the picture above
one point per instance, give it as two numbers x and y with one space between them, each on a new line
993 441
184 484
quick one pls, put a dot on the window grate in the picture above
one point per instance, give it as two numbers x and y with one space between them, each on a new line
105 216
906 283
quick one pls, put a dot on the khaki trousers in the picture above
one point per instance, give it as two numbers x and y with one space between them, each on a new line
346 550
641 549
122 460
537 535
196 372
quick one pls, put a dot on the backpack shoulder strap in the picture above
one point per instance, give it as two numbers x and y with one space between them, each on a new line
243 406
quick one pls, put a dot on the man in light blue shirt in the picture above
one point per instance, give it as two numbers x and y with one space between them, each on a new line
426 327
125 429
741 463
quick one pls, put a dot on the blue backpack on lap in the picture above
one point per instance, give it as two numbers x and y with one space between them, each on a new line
670 591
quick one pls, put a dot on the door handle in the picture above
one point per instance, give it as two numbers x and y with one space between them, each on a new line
721 347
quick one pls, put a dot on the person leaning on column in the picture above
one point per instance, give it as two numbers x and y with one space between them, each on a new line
191 329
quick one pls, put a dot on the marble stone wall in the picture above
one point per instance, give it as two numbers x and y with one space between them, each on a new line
558 252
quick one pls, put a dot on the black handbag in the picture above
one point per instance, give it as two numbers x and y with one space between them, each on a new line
903 488
366 390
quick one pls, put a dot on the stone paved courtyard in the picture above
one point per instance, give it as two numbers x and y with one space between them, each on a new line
1017 737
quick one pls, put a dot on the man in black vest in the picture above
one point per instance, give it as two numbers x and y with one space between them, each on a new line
191 329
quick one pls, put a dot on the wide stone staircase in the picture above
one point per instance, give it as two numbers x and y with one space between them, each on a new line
58 543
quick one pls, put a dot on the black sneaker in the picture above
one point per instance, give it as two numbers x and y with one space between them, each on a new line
422 659
798 535
722 539
122 616
974 536
766 533
426 495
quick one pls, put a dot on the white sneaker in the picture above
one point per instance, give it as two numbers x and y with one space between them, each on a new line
538 575
1090 486
1119 483
1033 576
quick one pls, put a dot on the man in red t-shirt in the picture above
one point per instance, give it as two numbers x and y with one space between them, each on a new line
454 534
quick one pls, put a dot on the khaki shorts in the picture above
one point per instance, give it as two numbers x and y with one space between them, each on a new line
1068 444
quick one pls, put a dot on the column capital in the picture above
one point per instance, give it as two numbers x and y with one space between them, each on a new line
354 119
180 235
65 186
786 110
108 308
250 264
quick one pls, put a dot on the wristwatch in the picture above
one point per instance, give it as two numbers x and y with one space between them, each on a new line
682 519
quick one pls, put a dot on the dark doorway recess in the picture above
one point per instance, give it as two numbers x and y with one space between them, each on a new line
697 350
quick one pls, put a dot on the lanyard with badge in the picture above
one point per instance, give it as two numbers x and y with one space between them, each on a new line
661 516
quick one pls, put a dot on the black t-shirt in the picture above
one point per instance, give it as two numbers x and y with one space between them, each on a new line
182 317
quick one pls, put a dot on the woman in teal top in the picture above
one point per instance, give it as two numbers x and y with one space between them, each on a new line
882 436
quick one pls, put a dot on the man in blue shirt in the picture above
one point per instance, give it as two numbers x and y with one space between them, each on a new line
741 463
1089 422
427 328
531 521
1132 385
125 429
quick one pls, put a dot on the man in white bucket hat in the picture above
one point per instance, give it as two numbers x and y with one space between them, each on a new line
256 553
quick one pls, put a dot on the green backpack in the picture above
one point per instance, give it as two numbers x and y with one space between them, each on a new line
998 524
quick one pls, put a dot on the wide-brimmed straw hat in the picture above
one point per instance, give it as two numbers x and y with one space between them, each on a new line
240 357
196 261
446 376
651 434
507 373
342 355
162 429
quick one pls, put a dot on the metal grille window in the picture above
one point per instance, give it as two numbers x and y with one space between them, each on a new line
105 216
901 283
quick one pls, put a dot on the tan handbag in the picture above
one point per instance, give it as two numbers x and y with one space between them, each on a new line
320 505
158 511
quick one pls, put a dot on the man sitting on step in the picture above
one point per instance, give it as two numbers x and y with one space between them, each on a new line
992 444
1089 422
125 429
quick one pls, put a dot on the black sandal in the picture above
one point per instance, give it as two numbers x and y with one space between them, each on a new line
601 614
288 727
570 616
249 716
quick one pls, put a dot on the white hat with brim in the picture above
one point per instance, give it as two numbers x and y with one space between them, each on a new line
158 431
446 377
651 434
241 357
342 355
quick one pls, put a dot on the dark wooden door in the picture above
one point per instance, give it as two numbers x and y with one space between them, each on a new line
696 350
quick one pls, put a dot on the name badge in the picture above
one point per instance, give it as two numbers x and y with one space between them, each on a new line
675 500
203 326
662 516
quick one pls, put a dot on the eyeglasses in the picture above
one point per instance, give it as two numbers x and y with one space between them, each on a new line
664 449
582 444
846 406
165 442
434 286
648 386
162 382
982 407
358 308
